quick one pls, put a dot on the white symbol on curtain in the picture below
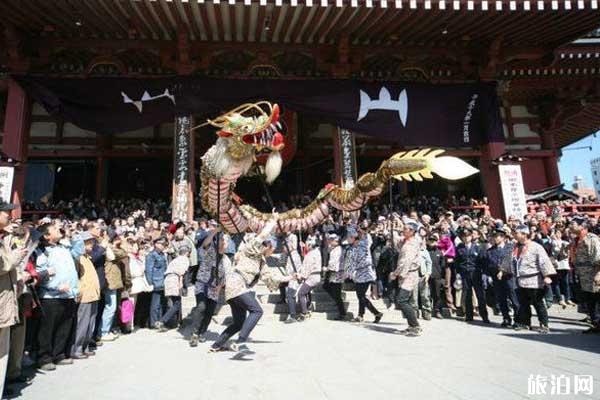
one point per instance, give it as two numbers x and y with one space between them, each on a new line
139 104
384 102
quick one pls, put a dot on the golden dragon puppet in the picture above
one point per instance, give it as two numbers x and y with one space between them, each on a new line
254 129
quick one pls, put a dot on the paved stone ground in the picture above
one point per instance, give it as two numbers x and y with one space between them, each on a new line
322 359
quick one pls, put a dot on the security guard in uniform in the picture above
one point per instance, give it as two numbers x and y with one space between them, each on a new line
469 263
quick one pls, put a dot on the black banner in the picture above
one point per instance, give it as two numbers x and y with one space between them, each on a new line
456 115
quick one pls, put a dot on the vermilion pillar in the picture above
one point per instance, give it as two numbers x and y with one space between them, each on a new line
491 178
551 162
17 122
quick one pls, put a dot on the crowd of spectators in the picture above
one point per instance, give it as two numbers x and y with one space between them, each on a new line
78 278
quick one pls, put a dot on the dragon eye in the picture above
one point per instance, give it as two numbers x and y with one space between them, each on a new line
248 128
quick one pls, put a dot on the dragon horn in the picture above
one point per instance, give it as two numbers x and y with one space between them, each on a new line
221 120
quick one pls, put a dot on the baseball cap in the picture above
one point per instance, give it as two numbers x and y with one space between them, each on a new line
523 229
85 235
412 224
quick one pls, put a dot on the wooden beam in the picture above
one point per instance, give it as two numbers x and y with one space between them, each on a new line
171 18
299 24
116 18
24 16
260 24
233 22
434 31
358 34
153 17
135 17
274 21
382 26
89 26
187 9
201 9
320 18
97 19
403 32
347 17
287 25
218 21
60 24
328 24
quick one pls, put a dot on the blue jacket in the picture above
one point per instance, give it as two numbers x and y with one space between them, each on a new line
65 272
469 259
156 265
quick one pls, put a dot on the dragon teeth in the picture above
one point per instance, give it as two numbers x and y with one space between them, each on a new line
279 125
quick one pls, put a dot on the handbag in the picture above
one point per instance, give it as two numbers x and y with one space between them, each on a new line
126 312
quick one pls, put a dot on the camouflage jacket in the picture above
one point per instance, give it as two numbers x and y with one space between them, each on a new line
586 261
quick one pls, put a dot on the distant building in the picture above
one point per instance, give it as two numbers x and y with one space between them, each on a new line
595 167
584 192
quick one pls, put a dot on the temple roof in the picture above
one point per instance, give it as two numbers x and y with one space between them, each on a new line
545 54
382 22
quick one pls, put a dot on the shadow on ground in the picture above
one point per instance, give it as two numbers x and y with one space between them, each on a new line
569 339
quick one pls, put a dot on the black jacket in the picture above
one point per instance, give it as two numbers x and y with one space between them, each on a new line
387 262
438 263
469 259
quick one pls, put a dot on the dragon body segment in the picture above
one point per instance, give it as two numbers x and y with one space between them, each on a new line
253 129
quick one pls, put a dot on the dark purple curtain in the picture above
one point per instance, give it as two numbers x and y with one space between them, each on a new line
457 115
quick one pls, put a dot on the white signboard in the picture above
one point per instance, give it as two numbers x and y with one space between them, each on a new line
513 192
6 183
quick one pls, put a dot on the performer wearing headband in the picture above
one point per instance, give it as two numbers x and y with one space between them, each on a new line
249 266
407 273
532 268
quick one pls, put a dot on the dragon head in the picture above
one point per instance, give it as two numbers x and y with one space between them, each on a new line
249 130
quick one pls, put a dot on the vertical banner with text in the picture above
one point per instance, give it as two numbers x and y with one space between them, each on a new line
7 175
348 158
513 192
183 170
